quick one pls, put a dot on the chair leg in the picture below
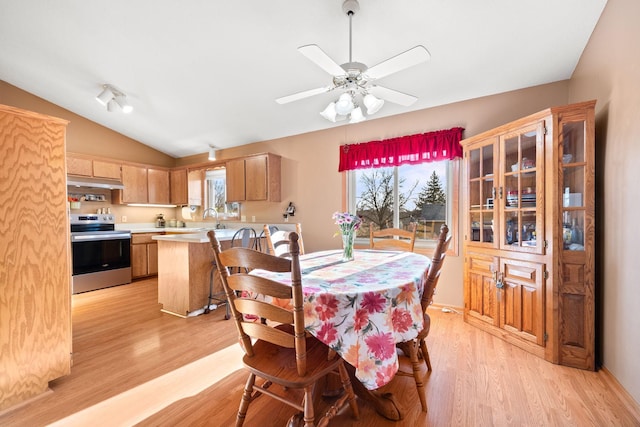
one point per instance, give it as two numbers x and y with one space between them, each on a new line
246 399
417 373
348 388
309 416
425 354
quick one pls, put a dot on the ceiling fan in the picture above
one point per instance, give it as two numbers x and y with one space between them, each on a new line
355 79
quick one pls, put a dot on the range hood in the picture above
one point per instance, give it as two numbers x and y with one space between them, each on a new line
88 182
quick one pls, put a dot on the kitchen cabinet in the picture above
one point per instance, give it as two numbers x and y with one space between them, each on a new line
35 308
144 255
158 186
183 276
92 167
143 185
529 229
178 181
254 178
186 187
79 166
102 169
136 188
195 187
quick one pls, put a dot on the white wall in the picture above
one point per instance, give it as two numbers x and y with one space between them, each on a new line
609 71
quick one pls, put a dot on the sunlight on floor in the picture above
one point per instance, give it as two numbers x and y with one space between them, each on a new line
137 404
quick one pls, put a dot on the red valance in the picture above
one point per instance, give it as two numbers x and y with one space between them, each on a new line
404 150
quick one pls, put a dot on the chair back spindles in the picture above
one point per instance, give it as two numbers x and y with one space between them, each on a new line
436 264
278 241
393 238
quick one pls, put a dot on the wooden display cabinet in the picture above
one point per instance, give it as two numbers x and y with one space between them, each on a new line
529 233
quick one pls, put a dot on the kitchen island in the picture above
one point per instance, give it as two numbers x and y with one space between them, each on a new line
184 268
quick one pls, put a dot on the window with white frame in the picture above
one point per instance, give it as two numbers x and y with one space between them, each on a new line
400 195
216 194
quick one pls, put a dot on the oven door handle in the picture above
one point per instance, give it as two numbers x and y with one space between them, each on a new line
92 237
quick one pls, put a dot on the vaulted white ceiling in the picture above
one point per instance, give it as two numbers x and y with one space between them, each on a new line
200 72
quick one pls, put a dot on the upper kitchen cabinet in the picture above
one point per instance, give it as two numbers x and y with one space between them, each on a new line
187 186
136 188
178 186
35 308
254 178
81 165
102 169
158 186
529 230
148 185
195 187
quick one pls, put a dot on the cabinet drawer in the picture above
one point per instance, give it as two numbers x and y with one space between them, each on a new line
141 238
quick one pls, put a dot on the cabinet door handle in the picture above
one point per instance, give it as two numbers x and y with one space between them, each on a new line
500 193
493 193
500 280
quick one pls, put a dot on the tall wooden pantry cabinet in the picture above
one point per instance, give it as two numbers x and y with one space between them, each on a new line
35 278
529 233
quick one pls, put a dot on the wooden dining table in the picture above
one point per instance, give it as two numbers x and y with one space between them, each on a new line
361 309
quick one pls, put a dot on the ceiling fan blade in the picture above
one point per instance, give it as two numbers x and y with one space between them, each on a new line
404 60
317 55
304 94
392 95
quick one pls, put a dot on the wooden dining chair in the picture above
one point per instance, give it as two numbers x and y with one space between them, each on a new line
414 350
277 350
393 238
278 241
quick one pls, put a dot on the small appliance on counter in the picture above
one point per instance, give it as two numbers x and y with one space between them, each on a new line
160 222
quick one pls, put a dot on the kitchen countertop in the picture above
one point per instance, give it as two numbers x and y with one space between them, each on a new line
194 227
197 237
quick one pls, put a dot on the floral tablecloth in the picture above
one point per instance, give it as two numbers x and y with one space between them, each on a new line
362 308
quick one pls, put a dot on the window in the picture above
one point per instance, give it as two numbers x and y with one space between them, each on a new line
396 196
215 189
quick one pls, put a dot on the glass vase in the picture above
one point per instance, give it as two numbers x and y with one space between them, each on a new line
348 239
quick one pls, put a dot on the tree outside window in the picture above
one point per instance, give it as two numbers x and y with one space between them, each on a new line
399 196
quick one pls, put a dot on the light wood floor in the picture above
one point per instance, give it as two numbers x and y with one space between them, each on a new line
134 365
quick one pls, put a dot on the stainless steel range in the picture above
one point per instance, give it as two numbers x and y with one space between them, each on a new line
101 255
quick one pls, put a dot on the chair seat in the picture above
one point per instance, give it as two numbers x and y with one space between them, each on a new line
278 365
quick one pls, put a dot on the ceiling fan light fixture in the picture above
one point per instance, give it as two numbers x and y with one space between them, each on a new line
330 113
372 103
344 105
356 116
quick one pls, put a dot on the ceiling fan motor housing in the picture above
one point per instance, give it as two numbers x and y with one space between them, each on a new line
350 7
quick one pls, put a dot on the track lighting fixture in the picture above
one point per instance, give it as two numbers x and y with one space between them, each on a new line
212 152
114 99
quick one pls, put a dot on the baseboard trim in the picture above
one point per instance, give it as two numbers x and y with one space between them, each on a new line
629 402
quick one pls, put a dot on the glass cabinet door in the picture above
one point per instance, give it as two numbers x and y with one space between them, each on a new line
572 141
521 190
481 162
